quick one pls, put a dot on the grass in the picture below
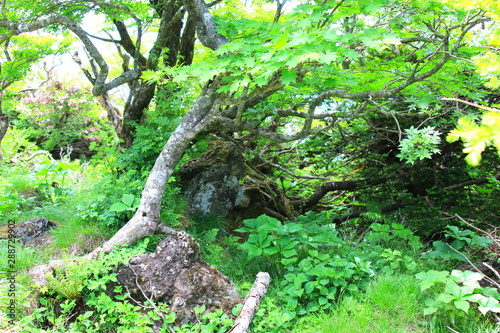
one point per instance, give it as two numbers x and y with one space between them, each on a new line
73 237
25 257
391 304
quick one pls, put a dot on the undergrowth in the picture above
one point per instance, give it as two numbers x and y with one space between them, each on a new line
324 277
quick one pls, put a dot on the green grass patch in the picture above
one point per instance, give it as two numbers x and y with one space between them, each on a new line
391 305
24 257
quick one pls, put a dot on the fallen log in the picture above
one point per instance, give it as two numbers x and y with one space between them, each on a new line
251 303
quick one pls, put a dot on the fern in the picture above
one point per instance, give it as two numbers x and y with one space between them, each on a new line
66 285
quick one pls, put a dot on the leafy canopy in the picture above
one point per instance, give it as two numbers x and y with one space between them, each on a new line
477 137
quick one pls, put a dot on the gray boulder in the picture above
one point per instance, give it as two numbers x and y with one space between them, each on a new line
211 183
33 228
174 274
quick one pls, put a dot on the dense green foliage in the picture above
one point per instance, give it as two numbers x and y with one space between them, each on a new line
349 116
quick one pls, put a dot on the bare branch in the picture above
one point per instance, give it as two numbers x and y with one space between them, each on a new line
471 104
470 182
206 28
274 165
487 278
100 85
251 303
149 299
108 40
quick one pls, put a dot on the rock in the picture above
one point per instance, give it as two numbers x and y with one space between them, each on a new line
174 274
28 230
211 183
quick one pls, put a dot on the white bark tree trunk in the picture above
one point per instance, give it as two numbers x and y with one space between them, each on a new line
146 220
147 217
251 303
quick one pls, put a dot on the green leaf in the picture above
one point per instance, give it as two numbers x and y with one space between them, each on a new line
330 57
118 207
372 6
290 228
254 252
288 77
456 290
352 287
309 286
281 41
462 305
474 298
429 278
200 309
491 292
351 54
87 314
264 240
380 227
128 199
322 300
445 298
292 303
289 253
489 304
271 250
288 261
430 310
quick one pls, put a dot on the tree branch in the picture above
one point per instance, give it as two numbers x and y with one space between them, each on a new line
128 45
321 191
471 104
251 303
470 182
274 165
102 39
385 209
206 28
100 85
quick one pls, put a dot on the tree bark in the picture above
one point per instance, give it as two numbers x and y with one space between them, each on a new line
251 303
4 126
140 96
147 217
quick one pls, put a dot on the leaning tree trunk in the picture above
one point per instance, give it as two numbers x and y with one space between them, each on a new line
146 220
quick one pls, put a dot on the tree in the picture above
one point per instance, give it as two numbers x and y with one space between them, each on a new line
173 44
477 137
275 76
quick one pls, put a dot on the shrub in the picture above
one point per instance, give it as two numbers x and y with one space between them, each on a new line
315 264
58 114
